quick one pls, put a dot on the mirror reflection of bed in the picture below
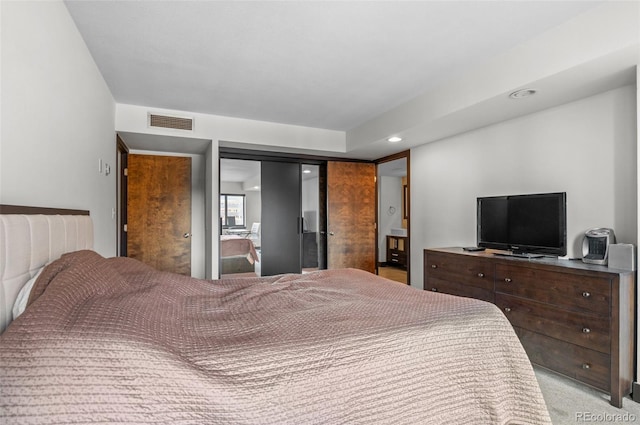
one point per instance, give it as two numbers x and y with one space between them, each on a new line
240 251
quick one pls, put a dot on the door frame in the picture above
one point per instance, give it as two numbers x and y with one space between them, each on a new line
202 155
121 201
178 236
407 155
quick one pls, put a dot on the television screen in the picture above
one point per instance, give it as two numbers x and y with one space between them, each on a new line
531 224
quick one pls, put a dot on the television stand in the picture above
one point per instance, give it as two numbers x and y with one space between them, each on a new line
518 254
573 318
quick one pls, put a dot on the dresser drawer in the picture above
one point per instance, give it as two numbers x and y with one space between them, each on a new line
459 269
397 256
396 253
589 366
456 288
575 292
587 330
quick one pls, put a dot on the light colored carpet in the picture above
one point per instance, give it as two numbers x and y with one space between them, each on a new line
570 402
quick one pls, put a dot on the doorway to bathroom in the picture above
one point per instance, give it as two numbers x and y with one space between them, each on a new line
393 240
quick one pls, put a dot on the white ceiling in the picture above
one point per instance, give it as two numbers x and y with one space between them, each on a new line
334 65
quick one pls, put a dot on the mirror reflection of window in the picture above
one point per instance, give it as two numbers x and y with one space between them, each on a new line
232 210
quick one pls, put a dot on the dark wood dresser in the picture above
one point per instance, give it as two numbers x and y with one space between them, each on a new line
397 251
573 318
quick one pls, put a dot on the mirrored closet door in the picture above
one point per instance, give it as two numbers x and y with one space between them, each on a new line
271 210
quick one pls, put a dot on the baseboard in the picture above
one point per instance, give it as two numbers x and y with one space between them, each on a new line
635 392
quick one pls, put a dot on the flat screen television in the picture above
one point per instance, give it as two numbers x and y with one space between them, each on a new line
534 224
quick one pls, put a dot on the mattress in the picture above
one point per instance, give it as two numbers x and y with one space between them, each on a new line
113 340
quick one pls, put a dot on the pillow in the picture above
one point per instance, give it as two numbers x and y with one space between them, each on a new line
23 296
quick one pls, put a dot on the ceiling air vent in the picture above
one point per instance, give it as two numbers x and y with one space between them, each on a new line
164 121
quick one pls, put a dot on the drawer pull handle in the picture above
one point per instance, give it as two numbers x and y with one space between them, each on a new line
586 294
507 309
586 330
434 289
433 266
394 254
480 274
586 366
507 279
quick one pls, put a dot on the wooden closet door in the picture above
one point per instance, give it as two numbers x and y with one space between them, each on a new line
351 198
159 212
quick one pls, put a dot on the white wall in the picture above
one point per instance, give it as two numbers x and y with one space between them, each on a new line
57 118
257 134
311 202
254 207
586 148
212 210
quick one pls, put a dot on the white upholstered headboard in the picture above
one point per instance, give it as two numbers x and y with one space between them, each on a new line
32 239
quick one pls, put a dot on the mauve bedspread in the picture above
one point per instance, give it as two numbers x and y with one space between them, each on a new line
112 340
231 245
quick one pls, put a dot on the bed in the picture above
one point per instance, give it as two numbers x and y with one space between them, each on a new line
237 254
113 340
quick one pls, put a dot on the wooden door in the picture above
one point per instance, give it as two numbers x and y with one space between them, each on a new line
281 233
159 211
351 199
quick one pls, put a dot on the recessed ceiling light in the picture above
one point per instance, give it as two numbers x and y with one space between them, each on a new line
519 94
394 139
